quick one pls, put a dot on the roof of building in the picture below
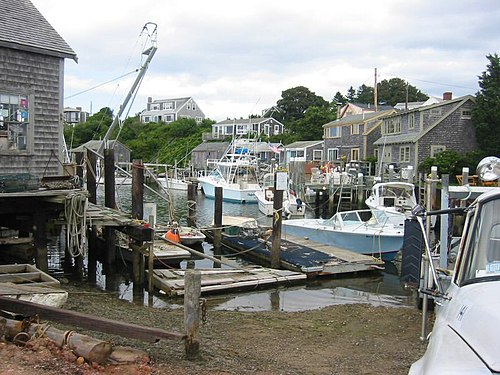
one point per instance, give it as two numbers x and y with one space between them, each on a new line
211 146
94 145
254 120
23 27
303 144
355 119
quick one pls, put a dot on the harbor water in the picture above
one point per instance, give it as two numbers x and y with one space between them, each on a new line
377 288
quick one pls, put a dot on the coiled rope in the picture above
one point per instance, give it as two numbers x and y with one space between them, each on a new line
75 212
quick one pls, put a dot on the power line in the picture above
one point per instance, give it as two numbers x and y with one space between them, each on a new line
101 84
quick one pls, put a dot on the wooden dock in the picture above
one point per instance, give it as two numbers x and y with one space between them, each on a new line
219 280
341 260
26 282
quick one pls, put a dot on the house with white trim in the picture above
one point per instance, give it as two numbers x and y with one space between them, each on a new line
168 110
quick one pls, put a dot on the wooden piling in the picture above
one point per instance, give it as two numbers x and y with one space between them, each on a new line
92 235
277 219
40 240
218 225
109 201
192 287
191 219
137 213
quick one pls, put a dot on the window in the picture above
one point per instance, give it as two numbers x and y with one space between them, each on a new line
375 153
435 112
333 154
436 149
228 129
169 118
333 132
15 125
198 119
466 114
194 107
147 119
411 121
168 105
276 129
355 129
392 125
354 154
317 154
404 154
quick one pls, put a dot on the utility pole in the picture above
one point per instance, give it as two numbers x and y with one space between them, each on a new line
375 93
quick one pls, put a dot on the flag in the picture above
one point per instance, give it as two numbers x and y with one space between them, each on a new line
274 149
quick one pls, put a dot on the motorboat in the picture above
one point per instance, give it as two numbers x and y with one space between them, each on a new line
292 205
465 334
236 173
397 199
368 232
186 235
173 183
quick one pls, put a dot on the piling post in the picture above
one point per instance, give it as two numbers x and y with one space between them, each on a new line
91 188
391 172
40 240
137 213
192 292
218 224
465 176
109 201
277 219
191 219
151 257
318 204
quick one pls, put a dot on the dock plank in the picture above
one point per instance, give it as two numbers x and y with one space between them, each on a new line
222 280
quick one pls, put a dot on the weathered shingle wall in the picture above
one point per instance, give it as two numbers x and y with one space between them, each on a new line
40 76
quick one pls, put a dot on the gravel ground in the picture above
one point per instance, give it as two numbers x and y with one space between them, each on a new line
344 339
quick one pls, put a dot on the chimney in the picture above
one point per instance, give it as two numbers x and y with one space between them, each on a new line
447 95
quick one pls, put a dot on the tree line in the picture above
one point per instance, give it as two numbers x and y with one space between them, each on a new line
301 111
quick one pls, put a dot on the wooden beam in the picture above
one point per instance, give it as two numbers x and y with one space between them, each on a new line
89 322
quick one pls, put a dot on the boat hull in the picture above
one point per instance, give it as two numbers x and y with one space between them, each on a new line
230 193
291 209
384 245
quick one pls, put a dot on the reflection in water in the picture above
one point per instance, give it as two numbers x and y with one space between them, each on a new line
380 288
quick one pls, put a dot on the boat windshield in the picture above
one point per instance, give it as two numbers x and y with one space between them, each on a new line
481 259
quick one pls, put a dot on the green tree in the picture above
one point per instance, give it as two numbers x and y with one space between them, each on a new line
339 99
351 95
310 127
395 90
365 94
486 113
94 128
295 101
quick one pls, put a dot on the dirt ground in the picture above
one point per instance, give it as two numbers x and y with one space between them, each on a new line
344 339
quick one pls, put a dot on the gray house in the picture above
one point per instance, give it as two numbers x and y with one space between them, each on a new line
304 151
32 57
207 151
168 110
351 138
411 136
248 126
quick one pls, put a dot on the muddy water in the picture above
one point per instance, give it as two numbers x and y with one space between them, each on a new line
380 288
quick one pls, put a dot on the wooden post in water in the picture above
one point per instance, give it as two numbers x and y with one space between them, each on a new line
192 292
191 219
218 225
91 188
151 256
40 240
318 205
137 213
277 219
109 201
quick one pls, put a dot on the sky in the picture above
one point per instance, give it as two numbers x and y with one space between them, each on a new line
235 58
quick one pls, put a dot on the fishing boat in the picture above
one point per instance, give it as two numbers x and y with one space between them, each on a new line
397 199
366 232
174 183
236 173
186 235
465 335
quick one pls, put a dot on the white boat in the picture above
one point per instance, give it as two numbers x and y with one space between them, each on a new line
185 235
292 205
397 199
466 331
174 183
237 173
366 232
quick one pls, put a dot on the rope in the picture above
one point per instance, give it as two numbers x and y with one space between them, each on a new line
75 212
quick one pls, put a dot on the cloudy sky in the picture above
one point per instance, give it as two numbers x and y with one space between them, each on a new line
236 57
